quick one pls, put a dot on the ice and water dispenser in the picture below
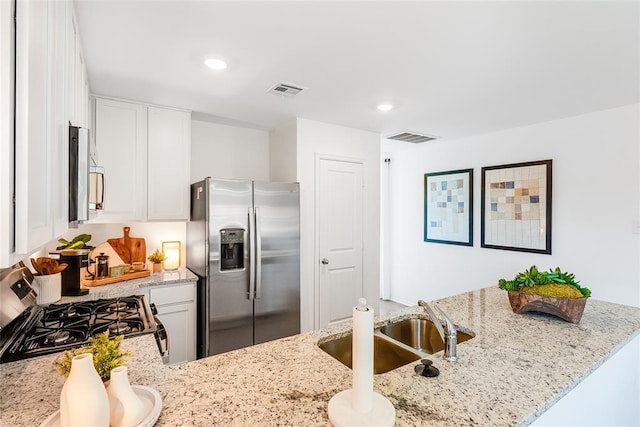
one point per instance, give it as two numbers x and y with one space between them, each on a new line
231 249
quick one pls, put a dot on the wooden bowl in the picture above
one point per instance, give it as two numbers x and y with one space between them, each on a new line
569 309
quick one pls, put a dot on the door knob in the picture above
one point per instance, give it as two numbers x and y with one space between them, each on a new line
324 261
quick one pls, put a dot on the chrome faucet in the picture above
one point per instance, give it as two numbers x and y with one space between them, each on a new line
449 334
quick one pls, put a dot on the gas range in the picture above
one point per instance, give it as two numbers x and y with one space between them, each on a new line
41 330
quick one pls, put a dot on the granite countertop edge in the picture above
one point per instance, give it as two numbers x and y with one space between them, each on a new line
282 387
135 286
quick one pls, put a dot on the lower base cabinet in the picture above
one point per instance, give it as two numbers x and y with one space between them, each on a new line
177 312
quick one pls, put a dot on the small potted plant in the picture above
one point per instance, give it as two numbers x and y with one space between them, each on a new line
553 292
157 258
107 355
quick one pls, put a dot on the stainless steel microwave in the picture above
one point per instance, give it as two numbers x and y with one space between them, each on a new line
86 181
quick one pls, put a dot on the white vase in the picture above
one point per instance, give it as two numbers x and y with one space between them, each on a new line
83 400
126 408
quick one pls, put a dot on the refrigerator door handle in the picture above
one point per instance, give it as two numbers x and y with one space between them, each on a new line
258 252
252 255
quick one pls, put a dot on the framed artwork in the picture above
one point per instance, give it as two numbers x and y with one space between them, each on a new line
516 207
448 207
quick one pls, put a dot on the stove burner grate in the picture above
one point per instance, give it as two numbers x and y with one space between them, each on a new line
58 337
119 328
59 327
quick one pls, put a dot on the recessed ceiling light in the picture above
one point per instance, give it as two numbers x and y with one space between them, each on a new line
215 64
385 107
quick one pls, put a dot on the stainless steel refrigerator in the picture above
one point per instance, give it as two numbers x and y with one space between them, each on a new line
243 242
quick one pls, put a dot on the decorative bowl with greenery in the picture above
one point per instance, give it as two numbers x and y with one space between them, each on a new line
552 283
107 355
553 292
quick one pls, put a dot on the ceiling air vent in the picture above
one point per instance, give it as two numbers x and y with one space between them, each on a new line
286 89
412 137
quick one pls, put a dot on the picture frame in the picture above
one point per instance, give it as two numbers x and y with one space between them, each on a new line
448 207
516 207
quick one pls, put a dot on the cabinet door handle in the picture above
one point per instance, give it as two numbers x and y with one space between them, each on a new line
324 261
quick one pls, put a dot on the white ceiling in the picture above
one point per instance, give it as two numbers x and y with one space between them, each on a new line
452 69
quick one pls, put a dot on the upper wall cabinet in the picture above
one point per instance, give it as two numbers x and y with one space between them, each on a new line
46 48
169 154
145 151
34 165
121 144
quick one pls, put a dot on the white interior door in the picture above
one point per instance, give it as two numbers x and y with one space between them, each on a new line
340 224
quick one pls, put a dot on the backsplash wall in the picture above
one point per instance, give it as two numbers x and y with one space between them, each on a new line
154 234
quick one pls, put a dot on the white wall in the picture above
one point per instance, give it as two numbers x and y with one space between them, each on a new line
283 152
315 137
154 233
224 151
596 198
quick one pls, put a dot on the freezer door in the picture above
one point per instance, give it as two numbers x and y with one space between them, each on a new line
277 293
197 261
230 302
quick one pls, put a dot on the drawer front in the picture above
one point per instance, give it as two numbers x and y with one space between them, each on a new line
172 294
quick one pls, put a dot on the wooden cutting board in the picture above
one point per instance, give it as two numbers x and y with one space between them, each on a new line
123 252
130 249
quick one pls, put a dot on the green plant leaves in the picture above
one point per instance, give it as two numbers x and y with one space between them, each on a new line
79 242
106 355
533 277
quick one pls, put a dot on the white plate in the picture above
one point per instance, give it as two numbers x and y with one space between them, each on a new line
150 398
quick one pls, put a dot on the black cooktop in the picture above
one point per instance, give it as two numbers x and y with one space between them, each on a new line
59 327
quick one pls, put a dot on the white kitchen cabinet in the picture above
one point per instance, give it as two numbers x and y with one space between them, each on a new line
44 95
33 155
168 164
59 14
177 312
121 143
78 100
42 115
145 151
7 89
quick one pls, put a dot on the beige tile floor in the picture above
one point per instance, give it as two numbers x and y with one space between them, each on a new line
387 306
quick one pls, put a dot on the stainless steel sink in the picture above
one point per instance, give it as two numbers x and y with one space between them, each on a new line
387 355
420 334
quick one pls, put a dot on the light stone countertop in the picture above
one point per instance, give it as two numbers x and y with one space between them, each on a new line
515 368
134 286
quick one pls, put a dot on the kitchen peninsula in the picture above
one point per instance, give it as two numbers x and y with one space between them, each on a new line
513 370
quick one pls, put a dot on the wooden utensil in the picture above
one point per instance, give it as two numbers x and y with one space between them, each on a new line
45 266
35 265
60 267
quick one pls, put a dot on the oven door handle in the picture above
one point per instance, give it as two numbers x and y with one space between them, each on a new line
162 339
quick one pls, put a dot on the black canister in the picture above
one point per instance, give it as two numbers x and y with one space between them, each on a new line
76 260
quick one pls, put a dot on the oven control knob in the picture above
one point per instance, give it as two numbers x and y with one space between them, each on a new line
154 310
